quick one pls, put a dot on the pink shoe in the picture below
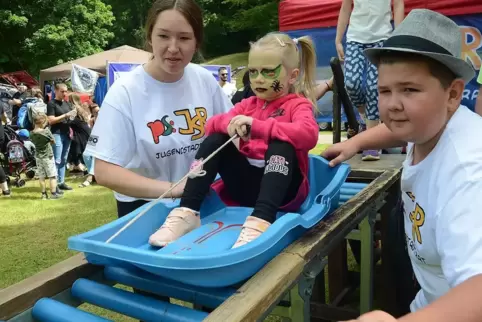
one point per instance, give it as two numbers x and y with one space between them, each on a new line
253 228
179 222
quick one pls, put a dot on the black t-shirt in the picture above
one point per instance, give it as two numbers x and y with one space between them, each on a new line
21 97
57 108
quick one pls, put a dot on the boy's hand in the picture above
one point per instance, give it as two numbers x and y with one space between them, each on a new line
340 152
375 316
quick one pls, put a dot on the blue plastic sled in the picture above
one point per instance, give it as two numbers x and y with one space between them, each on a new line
204 256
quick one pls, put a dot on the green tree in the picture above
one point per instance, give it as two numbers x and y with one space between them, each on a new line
36 34
130 20
232 24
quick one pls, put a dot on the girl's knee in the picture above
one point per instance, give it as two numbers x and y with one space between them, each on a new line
215 140
280 148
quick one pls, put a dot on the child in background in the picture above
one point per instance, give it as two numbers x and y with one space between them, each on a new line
368 24
43 139
277 129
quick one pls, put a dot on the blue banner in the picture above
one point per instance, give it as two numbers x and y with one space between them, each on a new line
116 69
471 31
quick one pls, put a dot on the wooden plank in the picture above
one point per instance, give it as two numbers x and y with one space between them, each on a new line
268 286
278 275
47 283
343 220
386 162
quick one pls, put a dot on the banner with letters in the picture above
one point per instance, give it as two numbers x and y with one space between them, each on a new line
471 36
116 69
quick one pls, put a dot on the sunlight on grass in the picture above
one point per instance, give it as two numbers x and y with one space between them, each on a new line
34 232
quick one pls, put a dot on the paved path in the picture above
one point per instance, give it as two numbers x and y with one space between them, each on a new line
326 137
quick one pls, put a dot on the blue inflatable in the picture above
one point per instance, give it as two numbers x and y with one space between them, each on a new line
204 257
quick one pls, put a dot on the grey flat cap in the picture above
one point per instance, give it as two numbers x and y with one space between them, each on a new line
428 33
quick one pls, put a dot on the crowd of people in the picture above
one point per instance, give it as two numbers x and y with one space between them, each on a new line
143 144
58 132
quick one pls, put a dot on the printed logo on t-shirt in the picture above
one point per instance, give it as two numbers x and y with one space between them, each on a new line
417 218
161 127
194 124
93 139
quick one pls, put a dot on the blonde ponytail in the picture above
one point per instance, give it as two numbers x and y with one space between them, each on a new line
306 81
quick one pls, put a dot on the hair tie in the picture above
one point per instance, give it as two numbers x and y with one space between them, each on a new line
295 40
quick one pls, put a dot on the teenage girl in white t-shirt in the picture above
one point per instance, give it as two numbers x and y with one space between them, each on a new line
368 26
151 122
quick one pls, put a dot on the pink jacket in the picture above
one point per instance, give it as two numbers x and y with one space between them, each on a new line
289 118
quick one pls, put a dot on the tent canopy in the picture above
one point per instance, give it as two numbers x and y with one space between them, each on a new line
96 62
309 14
18 77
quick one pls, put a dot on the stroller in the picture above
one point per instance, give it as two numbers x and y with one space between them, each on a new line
16 158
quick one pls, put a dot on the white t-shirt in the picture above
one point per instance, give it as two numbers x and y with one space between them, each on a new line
443 209
229 89
370 21
154 128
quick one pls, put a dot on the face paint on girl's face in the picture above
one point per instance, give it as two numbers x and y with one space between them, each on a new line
268 77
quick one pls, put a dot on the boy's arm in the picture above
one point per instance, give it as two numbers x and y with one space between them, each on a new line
398 11
378 137
461 304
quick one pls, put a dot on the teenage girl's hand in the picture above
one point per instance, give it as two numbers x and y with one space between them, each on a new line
340 152
240 125
178 190
340 51
375 316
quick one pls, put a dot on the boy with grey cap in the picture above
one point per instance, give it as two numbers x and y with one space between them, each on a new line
421 82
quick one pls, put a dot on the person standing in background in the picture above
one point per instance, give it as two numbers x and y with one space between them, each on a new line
60 114
228 88
369 24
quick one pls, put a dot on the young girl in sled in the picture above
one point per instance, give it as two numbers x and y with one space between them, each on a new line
277 129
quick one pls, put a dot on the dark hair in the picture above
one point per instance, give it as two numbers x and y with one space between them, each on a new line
438 70
188 8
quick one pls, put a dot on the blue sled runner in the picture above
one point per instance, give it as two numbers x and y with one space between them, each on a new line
204 257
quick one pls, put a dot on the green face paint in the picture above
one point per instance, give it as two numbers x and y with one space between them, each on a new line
266 73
